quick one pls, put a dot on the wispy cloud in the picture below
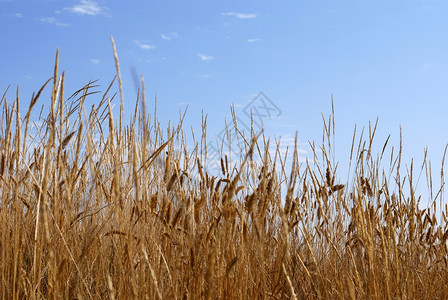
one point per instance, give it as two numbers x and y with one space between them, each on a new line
95 61
205 57
86 7
205 30
253 40
143 45
47 19
18 15
429 7
239 15
63 24
53 21
206 76
169 36
147 46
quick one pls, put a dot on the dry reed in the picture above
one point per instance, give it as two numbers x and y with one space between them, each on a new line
86 212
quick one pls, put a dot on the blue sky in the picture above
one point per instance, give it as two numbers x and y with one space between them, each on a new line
386 59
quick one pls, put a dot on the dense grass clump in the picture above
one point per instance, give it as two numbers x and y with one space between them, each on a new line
91 208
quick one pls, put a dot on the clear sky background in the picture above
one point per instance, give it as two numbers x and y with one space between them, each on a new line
386 59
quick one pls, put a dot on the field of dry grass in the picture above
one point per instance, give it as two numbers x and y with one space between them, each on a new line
87 212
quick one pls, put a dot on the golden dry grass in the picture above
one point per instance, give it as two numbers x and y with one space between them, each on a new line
87 212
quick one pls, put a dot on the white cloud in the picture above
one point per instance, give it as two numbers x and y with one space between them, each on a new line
429 7
147 46
18 15
63 24
47 20
143 45
85 7
205 30
205 57
52 20
95 61
253 40
240 15
169 36
205 76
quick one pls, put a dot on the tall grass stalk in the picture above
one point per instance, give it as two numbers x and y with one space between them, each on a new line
92 209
